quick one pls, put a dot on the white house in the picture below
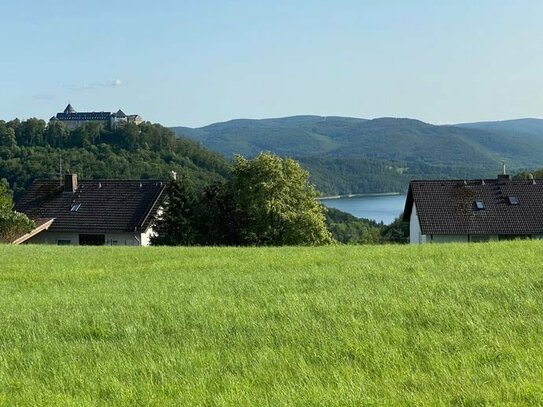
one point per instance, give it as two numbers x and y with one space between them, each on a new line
91 212
442 211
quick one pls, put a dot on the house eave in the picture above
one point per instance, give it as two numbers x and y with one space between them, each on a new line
33 232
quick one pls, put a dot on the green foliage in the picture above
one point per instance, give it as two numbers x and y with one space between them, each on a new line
434 325
346 228
268 201
277 203
30 150
525 175
175 226
341 176
516 127
218 223
347 155
12 223
396 232
30 132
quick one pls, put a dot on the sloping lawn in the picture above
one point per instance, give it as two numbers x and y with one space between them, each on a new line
333 326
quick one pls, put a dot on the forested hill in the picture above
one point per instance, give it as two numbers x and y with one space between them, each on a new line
519 127
31 150
384 138
350 155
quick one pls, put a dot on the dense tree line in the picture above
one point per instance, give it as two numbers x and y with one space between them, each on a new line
267 201
32 149
221 201
335 176
525 175
348 155
346 228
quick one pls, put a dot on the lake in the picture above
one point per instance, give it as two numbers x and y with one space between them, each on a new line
381 208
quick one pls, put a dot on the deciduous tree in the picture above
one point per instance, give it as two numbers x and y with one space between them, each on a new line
11 223
276 204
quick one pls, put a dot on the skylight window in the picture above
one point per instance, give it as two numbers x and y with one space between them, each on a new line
513 200
75 207
479 205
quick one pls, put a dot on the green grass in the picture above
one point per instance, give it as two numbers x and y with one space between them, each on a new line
334 326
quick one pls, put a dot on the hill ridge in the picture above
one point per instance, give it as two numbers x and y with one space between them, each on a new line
382 150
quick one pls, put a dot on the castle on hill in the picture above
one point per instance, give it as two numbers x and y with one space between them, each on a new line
73 119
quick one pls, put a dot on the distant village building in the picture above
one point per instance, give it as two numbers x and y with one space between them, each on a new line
97 212
73 119
442 211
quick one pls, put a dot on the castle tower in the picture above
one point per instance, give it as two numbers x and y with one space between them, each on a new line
69 109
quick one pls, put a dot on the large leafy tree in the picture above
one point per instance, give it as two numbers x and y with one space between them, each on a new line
11 223
275 203
267 201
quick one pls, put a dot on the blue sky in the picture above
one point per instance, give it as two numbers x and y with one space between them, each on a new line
194 62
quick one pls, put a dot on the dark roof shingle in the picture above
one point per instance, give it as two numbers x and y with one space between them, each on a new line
104 205
448 207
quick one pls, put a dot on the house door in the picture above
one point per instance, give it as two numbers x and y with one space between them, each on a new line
92 240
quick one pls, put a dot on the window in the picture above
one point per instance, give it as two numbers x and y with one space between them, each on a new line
513 200
514 237
479 238
479 205
92 240
64 242
75 207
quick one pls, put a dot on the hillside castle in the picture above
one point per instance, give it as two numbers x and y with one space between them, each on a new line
73 119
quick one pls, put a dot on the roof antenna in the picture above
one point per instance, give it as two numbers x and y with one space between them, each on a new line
60 170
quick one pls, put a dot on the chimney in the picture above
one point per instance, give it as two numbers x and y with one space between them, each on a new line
504 176
70 183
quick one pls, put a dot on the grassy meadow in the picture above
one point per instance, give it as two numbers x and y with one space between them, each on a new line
455 325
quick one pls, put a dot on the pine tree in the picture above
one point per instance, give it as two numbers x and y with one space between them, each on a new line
175 225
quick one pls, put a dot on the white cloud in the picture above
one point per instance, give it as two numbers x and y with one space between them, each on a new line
113 83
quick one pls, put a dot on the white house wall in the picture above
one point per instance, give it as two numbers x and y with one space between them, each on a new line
449 238
415 233
145 238
112 239
458 238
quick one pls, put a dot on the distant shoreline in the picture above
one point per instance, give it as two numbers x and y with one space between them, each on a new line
358 195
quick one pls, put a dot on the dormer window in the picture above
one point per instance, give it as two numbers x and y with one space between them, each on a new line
513 200
479 205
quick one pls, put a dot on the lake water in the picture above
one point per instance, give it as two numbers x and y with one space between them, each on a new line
381 208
